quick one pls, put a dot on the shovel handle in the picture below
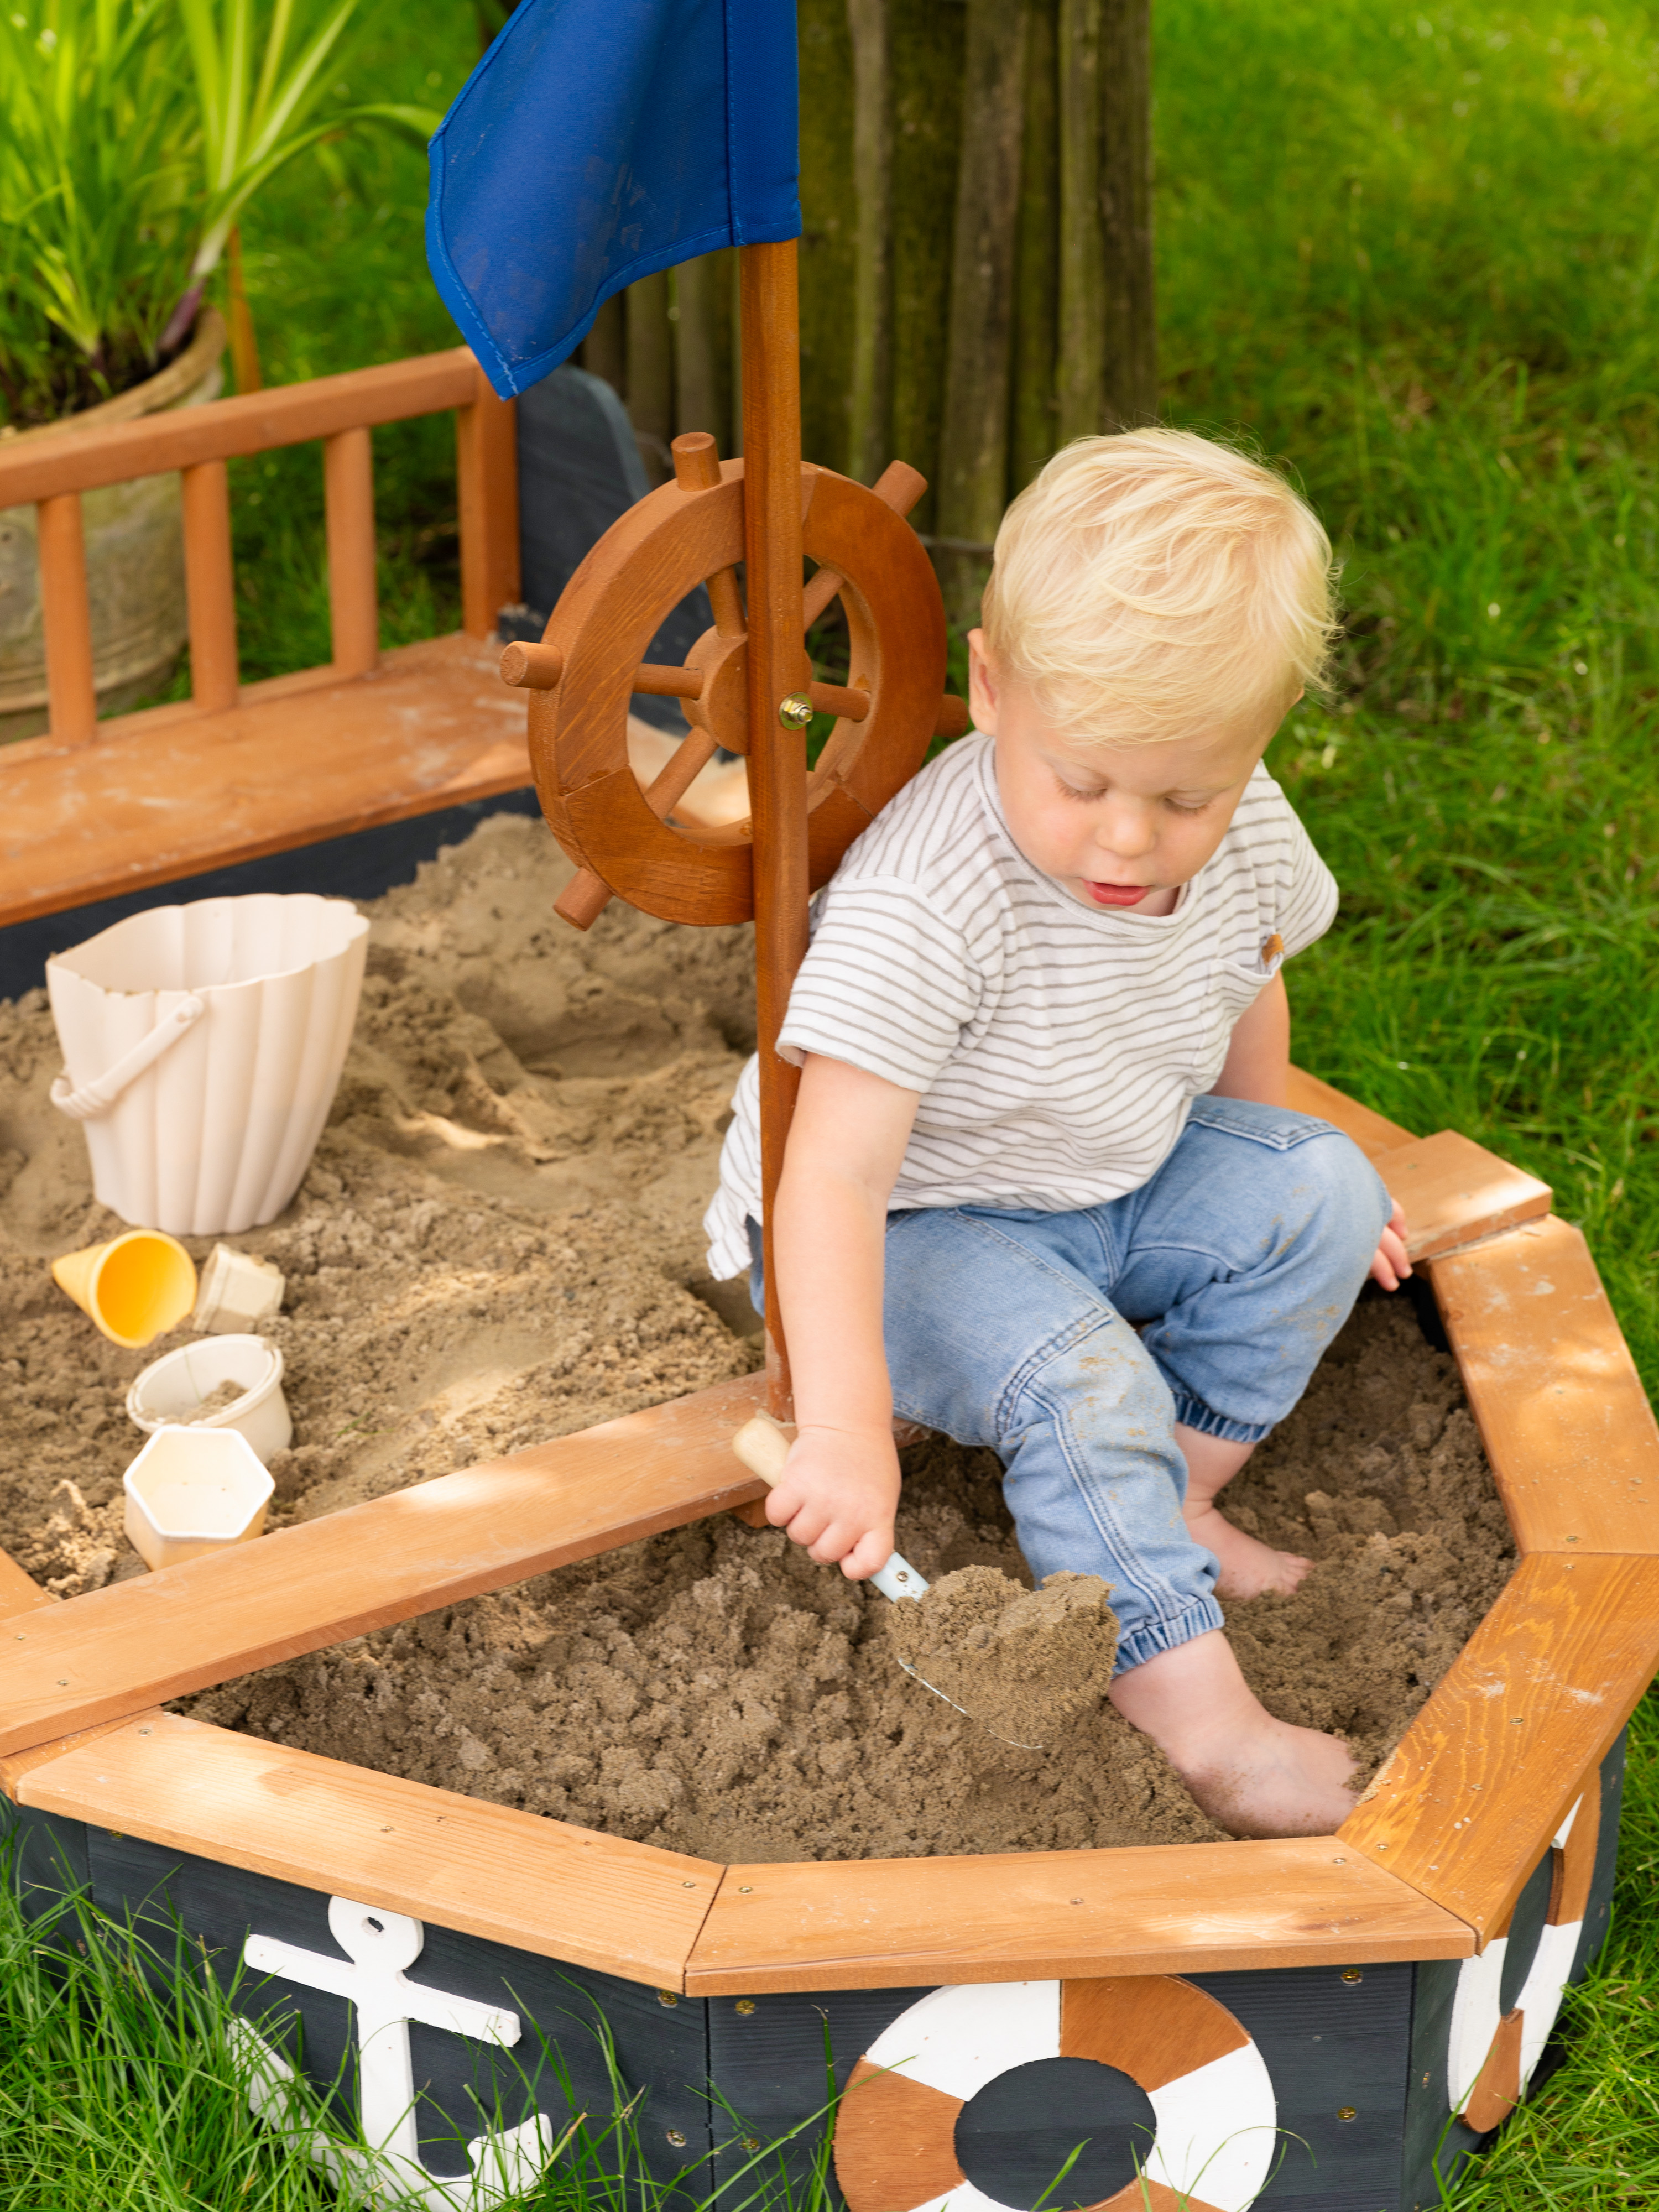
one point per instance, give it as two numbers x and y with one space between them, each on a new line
762 1445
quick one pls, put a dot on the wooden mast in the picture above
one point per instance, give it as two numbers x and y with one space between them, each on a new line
778 667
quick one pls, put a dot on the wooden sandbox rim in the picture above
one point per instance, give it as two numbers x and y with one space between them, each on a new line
1525 1715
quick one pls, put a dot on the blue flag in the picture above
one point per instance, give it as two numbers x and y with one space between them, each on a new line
600 140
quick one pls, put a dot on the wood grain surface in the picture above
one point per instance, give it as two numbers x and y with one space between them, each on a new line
1455 1191
167 793
1466 1806
20 1592
135 1644
894 2141
563 1893
1550 1379
1153 2027
1373 1133
890 1923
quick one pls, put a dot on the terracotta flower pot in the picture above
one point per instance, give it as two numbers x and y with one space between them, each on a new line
135 557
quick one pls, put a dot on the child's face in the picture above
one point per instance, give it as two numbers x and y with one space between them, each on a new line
1117 826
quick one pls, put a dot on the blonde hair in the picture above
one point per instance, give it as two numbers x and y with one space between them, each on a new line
1147 581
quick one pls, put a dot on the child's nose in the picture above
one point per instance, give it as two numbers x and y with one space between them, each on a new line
1126 832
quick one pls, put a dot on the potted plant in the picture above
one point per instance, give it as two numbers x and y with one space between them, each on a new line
133 133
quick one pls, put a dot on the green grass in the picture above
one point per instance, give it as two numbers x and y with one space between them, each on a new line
1414 254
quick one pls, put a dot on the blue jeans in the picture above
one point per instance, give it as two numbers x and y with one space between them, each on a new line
1243 1257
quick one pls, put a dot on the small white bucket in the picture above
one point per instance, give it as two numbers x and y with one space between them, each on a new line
191 1491
203 1045
237 1293
168 1391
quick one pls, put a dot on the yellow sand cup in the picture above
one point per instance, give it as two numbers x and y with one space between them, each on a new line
134 1287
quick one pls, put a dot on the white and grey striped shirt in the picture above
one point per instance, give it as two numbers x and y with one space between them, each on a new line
1056 1046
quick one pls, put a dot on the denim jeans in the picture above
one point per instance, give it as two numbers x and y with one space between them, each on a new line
1242 1257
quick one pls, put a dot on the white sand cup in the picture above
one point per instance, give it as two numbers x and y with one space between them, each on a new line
191 1491
202 1046
168 1391
237 1292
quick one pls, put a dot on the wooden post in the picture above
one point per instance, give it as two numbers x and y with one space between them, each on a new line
1082 377
209 586
1125 212
777 667
974 443
66 618
870 397
1033 433
353 598
487 481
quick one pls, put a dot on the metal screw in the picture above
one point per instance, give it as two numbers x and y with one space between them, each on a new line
62 1681
145 1731
751 2142
688 1885
1352 1974
1425 2080
676 2138
1076 1900
745 2006
667 1997
1346 2112
1338 1861
1515 1724
1572 1540
385 1829
116 1836
20 1639
1381 1847
796 711
745 1889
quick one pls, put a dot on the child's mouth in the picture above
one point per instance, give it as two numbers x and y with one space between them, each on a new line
1116 894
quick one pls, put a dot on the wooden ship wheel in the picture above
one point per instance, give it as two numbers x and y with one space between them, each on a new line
747 686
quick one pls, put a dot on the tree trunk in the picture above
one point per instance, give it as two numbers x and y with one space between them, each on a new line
651 372
702 323
1081 376
870 393
974 442
1035 425
1125 212
604 349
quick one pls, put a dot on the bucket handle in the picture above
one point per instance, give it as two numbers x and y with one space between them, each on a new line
92 1099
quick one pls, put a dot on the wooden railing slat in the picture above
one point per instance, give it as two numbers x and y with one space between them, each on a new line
353 600
66 618
211 586
254 423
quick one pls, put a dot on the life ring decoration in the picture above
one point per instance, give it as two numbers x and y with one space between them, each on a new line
625 839
1003 2080
1492 2051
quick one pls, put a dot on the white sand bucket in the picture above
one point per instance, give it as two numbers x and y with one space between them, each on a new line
168 1392
203 1045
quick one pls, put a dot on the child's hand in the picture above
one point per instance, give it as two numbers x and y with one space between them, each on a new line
837 1497
1391 1268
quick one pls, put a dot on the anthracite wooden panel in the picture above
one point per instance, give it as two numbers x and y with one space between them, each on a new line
568 2016
1606 1853
1526 1929
768 2064
1331 2046
48 1854
1013 2139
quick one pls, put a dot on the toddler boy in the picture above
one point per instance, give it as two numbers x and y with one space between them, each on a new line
1042 1191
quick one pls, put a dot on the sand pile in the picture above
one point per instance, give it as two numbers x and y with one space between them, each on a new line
497 1244
1020 1661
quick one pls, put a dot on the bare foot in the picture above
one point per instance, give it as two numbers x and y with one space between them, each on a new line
1276 1781
1247 1565
1253 1775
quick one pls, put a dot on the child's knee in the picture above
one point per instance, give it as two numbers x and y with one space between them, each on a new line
1344 1204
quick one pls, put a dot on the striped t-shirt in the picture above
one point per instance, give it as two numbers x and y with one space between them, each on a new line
1056 1046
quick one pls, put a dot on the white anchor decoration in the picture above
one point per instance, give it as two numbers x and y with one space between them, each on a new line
380 1945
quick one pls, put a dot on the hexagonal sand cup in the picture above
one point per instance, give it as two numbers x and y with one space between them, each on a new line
192 1490
1344 1996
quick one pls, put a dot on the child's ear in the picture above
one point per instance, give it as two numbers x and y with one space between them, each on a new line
981 684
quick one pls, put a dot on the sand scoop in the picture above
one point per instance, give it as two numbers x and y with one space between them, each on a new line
762 1445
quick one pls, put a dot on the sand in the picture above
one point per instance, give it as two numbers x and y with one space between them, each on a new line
496 1244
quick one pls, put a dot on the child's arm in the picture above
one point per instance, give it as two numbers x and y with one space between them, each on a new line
1258 1065
846 1146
